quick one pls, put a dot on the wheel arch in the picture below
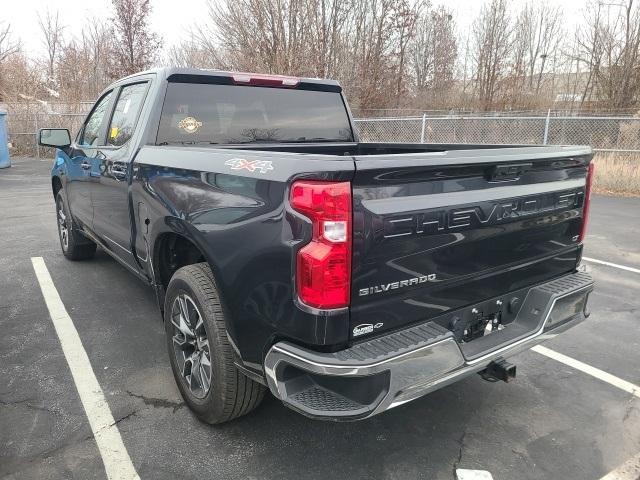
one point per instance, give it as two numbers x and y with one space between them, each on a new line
56 185
172 251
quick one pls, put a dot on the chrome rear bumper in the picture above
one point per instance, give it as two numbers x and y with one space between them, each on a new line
382 373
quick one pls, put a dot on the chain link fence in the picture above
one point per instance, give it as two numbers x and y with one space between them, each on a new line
23 128
607 134
613 134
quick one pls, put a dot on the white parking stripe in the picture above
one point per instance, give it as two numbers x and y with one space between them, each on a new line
115 457
465 474
629 470
589 370
614 265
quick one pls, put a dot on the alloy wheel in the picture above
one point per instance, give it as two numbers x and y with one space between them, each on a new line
63 228
191 345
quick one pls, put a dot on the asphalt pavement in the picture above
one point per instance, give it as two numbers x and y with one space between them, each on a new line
553 422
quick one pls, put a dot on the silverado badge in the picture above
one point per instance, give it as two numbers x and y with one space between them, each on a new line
395 285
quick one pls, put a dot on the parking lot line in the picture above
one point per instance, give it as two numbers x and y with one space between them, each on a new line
115 457
465 474
589 370
614 265
630 470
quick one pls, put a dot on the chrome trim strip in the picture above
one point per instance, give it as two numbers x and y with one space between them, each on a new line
116 243
366 366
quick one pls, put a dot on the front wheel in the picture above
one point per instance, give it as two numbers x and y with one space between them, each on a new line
75 246
199 349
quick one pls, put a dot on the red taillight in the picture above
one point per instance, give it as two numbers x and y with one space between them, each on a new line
265 80
587 201
323 270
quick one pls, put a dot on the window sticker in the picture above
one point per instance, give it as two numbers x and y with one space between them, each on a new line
114 132
189 124
126 106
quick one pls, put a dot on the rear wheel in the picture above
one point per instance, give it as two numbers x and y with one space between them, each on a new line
75 246
201 356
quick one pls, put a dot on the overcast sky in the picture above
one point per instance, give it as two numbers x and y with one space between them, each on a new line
172 18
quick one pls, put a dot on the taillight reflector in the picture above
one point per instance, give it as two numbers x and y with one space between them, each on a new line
587 201
323 266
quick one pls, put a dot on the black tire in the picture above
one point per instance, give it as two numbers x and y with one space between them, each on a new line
75 246
230 393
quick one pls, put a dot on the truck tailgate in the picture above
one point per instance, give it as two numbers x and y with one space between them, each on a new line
433 232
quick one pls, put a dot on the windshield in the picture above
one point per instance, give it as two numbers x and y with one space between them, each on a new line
222 114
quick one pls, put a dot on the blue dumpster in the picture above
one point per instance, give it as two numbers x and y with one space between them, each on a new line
5 161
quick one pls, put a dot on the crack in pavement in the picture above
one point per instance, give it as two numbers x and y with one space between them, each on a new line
630 407
25 402
125 417
158 402
20 463
460 451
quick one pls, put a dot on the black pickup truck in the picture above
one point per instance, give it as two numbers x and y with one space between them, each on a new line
347 277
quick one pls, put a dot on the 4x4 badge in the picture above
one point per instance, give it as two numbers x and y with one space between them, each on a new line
263 166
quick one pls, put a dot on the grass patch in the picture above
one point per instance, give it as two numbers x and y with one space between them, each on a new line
617 174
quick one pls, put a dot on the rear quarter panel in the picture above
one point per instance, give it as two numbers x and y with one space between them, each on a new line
232 205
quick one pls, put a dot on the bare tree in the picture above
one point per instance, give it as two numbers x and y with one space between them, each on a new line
435 52
542 32
536 44
619 77
136 47
193 53
261 35
588 48
328 26
85 61
372 47
363 43
405 17
8 48
52 38
492 33
98 42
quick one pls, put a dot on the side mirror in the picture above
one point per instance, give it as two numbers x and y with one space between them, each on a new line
54 137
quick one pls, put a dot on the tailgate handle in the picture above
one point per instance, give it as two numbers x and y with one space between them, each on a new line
507 173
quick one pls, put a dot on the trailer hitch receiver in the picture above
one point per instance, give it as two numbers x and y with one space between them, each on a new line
499 370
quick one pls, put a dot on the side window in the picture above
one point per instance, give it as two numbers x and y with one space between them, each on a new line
93 125
123 122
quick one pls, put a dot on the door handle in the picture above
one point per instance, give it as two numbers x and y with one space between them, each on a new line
118 170
85 165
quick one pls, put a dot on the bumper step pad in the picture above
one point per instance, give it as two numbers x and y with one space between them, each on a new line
322 399
394 344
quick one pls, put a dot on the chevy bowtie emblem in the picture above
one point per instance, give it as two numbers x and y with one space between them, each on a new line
263 166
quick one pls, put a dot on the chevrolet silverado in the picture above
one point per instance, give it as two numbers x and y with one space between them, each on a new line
346 277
